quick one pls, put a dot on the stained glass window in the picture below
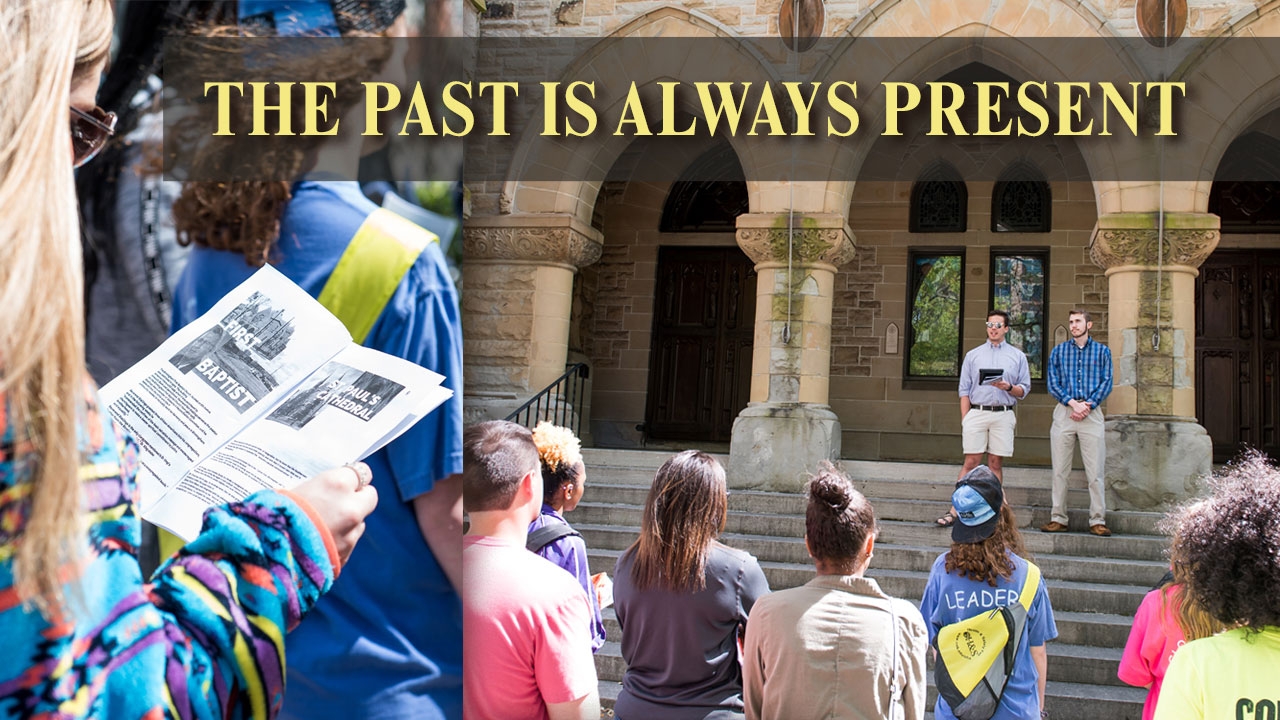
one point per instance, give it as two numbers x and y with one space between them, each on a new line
934 304
1019 286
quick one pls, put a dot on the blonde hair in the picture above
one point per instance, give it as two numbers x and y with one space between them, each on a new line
1192 619
558 448
41 288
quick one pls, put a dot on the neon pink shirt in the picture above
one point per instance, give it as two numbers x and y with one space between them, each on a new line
1154 638
527 633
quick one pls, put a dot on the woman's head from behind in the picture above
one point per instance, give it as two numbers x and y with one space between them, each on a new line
684 513
52 51
838 523
563 474
1226 547
986 531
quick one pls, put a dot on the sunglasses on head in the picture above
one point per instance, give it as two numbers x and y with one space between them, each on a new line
90 132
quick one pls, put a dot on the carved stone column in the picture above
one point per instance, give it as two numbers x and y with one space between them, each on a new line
518 292
1156 451
788 427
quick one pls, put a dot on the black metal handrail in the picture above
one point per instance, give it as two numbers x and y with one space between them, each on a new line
559 403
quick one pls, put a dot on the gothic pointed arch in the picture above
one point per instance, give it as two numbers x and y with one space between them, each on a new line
709 196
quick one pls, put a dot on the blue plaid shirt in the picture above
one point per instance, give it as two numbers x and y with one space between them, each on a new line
1080 373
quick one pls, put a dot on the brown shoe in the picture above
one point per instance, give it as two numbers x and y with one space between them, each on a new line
1099 530
1054 527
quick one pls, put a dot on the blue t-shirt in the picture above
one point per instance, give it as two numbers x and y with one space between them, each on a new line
386 642
948 598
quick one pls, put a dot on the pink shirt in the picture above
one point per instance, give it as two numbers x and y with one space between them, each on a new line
527 637
1154 638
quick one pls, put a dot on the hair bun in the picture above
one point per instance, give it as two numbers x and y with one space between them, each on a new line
829 490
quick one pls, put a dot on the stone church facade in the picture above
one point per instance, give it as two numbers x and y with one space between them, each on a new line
794 322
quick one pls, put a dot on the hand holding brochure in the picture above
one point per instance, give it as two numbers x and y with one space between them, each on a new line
264 391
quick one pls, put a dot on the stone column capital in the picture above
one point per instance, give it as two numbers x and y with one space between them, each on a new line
551 238
1123 239
815 238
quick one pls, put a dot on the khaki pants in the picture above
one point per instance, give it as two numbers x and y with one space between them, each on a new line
1093 450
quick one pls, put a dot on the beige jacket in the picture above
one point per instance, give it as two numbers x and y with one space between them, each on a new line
824 650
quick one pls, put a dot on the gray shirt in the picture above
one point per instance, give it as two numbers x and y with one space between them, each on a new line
681 649
987 356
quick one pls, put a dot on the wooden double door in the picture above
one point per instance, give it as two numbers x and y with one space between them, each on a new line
1238 351
700 358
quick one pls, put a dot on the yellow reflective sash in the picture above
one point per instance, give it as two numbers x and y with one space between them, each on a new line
968 648
384 248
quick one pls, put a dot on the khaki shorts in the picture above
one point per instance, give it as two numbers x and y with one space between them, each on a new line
989 431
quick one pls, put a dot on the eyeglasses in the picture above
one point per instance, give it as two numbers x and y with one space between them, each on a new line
995 325
89 132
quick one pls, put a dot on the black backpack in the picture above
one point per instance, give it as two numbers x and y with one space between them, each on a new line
548 534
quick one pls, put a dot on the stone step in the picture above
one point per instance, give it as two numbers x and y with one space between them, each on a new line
1096 701
1075 596
1095 630
1062 699
605 488
639 466
1067 663
1135 546
1095 583
1126 525
1058 568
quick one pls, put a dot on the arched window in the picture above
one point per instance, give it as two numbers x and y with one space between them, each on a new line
1020 201
939 201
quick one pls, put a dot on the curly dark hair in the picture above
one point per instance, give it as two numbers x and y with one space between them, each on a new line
990 559
244 216
1227 545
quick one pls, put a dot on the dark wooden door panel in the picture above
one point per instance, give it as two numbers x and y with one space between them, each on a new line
1220 416
704 320
1238 351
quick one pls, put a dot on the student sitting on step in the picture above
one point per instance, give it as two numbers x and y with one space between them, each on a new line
1228 546
564 479
836 647
682 599
1166 620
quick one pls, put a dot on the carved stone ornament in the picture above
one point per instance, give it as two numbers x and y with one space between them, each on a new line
1188 248
546 244
809 245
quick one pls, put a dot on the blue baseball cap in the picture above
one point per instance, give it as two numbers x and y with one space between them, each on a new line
977 500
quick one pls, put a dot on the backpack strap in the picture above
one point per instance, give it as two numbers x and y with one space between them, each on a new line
548 534
383 249
1029 586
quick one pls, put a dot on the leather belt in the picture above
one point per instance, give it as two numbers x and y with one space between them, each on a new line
994 408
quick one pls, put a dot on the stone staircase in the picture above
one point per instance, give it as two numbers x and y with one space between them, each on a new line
1095 584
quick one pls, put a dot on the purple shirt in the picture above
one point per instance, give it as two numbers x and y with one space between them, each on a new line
570 553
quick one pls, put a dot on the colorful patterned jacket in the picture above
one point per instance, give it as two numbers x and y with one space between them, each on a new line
205 639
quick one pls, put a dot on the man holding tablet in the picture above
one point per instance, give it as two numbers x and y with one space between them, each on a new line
993 378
